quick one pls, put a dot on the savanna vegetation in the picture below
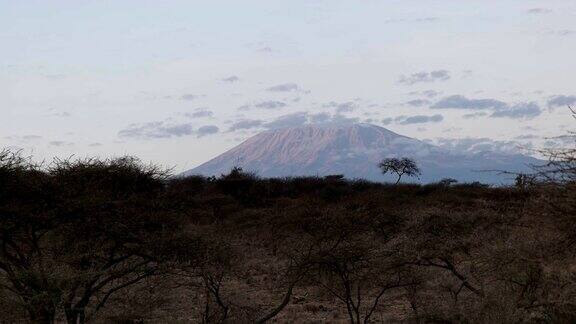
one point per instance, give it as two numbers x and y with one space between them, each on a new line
117 241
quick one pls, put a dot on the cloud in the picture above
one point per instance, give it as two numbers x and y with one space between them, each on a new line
270 104
320 118
341 119
421 119
200 113
527 137
188 97
474 115
162 129
327 118
561 101
438 75
24 138
500 109
417 102
539 11
154 130
291 120
425 93
207 130
473 145
31 137
519 111
342 106
94 144
231 79
285 87
461 102
387 121
452 129
245 124
299 119
60 143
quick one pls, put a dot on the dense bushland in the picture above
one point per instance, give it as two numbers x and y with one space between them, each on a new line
116 241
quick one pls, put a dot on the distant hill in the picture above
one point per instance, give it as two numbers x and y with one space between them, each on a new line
354 150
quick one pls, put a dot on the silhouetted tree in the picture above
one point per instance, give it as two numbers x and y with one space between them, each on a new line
83 231
400 167
447 182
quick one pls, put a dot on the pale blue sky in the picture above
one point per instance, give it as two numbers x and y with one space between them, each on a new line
148 77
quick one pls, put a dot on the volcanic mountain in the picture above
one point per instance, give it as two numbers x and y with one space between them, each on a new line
354 150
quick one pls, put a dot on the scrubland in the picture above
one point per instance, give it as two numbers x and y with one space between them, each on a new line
116 241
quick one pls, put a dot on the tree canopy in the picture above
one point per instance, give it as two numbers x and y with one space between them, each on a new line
399 167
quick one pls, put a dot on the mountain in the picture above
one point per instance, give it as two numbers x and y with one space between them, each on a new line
354 150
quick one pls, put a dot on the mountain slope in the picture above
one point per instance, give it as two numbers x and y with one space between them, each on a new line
355 150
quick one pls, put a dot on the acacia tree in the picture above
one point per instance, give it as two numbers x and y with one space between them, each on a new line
356 260
77 234
20 196
400 167
214 277
360 275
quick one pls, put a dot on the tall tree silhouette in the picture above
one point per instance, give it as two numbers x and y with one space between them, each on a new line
400 167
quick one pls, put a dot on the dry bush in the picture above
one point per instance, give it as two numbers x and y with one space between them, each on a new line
118 241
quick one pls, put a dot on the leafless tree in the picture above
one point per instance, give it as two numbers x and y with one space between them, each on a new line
356 261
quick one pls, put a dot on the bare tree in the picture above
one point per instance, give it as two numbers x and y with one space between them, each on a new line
214 277
356 260
400 167
360 277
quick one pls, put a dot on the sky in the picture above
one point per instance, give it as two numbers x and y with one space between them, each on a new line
178 82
